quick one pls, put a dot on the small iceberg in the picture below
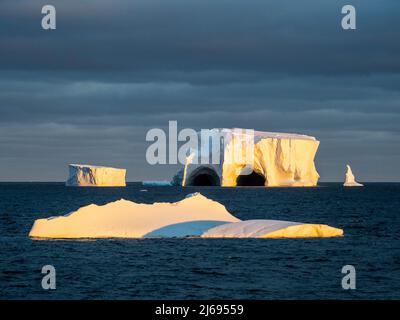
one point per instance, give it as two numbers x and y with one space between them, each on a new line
350 180
193 216
157 183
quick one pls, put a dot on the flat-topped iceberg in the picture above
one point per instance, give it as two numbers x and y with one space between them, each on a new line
276 159
194 216
350 180
83 175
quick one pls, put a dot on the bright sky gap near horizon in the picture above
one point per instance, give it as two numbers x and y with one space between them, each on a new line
89 91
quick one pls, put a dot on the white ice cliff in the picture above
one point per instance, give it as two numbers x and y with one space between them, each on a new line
95 176
350 180
194 216
278 159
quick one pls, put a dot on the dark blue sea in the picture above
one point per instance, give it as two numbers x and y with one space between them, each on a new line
207 268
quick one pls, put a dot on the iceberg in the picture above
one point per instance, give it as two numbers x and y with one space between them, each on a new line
194 216
278 160
157 183
127 219
81 175
350 180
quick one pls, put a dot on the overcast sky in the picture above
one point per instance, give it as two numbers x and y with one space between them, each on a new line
89 91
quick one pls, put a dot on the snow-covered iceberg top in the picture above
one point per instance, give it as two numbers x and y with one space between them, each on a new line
84 175
282 135
194 216
350 180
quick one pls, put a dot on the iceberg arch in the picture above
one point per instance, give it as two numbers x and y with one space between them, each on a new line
203 176
253 179
282 159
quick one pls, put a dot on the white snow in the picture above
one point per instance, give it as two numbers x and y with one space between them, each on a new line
83 175
350 180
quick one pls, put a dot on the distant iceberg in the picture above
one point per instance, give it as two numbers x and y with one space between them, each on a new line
350 180
83 175
157 183
194 216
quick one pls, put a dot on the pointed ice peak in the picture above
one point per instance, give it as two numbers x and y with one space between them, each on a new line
350 180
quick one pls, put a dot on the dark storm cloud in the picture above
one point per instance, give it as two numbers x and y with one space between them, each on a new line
148 35
90 90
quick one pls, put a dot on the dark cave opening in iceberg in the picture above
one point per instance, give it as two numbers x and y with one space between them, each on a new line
204 177
251 180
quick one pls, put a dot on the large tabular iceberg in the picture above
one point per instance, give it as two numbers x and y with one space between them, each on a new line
350 180
194 216
81 175
278 159
127 219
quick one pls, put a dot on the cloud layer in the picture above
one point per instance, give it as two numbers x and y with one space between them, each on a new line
89 91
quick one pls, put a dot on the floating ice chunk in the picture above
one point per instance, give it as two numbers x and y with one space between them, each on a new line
157 183
350 180
271 229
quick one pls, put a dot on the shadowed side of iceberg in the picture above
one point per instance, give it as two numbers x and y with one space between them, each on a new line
184 229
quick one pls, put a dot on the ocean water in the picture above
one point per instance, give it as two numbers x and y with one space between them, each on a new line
207 268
